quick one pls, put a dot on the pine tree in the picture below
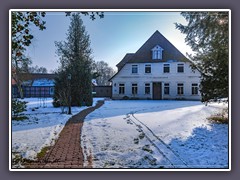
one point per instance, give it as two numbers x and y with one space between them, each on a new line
208 35
76 62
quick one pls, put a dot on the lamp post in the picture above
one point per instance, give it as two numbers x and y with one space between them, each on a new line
69 94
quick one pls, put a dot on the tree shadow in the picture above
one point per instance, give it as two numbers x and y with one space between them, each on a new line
207 147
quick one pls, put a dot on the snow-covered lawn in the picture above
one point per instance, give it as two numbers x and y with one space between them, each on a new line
131 134
41 129
155 134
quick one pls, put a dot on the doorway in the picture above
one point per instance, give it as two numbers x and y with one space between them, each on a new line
157 90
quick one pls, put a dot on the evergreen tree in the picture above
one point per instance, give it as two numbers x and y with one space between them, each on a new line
208 35
76 62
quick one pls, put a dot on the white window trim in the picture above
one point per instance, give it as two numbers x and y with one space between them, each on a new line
132 68
183 88
166 86
150 65
124 86
183 67
157 52
135 87
149 88
197 89
169 67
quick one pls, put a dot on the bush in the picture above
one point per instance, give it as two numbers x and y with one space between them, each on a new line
219 119
125 98
56 102
17 108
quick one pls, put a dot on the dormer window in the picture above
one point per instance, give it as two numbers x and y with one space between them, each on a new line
157 52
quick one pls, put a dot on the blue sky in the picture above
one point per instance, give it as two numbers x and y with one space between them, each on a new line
111 37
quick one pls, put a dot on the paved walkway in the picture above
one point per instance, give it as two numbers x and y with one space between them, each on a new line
67 151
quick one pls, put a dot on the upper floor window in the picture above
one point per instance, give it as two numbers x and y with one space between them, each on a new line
157 52
180 68
166 68
148 68
134 69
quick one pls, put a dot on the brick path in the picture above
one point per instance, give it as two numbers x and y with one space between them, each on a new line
67 151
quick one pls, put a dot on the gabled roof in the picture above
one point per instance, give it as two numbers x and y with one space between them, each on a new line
144 53
126 58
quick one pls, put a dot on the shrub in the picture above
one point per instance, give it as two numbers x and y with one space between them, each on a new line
221 118
125 98
17 108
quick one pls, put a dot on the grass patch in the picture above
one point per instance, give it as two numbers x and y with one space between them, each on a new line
43 152
219 119
19 118
19 162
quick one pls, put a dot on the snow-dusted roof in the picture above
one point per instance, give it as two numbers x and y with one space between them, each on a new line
43 82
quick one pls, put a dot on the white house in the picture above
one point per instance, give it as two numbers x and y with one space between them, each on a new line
158 70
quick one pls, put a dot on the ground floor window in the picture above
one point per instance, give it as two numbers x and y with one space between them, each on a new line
121 88
180 89
134 89
195 89
147 88
166 88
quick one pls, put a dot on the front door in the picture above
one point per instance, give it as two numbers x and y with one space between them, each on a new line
157 90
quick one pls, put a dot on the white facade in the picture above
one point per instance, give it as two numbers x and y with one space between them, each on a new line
134 80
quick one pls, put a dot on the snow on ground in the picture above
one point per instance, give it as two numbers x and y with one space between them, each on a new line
155 134
41 129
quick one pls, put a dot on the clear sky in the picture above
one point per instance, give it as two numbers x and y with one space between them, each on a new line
111 37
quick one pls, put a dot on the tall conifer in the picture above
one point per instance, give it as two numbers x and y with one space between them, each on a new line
76 62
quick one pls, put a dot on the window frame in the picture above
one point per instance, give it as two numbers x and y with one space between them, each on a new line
180 65
134 88
147 88
157 52
135 66
148 66
194 89
180 89
166 90
166 65
121 88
